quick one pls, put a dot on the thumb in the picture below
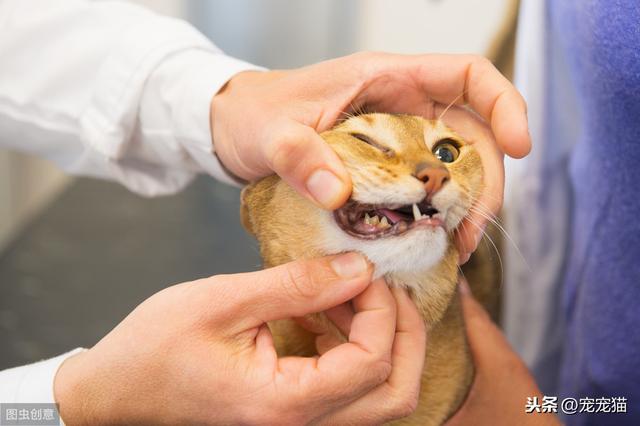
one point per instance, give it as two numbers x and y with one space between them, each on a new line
304 160
297 288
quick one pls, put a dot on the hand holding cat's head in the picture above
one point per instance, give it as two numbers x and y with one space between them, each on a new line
414 180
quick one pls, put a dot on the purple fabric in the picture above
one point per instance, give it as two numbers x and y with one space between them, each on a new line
601 354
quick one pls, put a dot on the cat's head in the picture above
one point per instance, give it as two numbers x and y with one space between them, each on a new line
414 180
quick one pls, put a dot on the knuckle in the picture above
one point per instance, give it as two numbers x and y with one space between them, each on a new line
212 288
283 152
299 281
405 405
380 370
482 62
368 64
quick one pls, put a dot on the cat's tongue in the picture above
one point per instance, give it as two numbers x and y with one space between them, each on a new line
391 215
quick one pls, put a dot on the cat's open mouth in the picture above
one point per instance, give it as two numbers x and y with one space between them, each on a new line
370 221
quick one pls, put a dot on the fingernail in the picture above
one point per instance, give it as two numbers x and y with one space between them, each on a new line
325 187
349 265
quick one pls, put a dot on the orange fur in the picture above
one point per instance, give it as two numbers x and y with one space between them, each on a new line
289 227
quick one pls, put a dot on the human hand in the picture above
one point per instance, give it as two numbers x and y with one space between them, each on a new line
400 392
502 381
201 353
265 122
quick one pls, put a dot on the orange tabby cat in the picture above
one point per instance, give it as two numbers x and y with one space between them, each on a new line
414 180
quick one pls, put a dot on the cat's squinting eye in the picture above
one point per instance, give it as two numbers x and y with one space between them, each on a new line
446 150
369 141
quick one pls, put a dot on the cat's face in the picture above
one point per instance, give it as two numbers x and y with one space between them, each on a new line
414 181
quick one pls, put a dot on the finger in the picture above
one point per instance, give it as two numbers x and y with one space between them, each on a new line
467 237
410 344
445 77
483 210
487 91
501 377
303 159
374 323
291 290
342 317
486 341
397 397
349 370
328 335
326 342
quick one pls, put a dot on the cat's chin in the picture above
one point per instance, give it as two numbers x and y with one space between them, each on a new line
417 250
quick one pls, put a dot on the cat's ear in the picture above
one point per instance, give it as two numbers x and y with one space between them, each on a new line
245 214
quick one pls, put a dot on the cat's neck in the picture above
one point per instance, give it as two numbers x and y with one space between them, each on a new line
433 289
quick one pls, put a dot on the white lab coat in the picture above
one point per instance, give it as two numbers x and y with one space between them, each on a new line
110 90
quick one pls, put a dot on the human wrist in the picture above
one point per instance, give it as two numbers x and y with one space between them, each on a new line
222 114
75 394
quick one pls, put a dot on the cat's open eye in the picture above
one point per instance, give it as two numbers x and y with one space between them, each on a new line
369 141
446 150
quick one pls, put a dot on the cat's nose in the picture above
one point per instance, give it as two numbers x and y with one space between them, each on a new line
432 176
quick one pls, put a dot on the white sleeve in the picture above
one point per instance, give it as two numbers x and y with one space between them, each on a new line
111 90
31 383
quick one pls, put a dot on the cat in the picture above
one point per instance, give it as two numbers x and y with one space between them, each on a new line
414 180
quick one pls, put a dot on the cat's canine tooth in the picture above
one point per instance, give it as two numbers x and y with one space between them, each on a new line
367 219
375 220
416 212
384 223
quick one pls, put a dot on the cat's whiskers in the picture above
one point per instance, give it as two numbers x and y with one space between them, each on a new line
479 208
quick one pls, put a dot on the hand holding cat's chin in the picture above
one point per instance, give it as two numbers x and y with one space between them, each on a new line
201 353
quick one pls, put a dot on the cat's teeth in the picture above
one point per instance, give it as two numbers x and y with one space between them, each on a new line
375 220
384 223
416 212
367 219
424 216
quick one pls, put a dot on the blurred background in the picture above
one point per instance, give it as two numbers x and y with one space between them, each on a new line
77 254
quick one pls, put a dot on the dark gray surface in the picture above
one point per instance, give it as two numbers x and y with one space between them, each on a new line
98 251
